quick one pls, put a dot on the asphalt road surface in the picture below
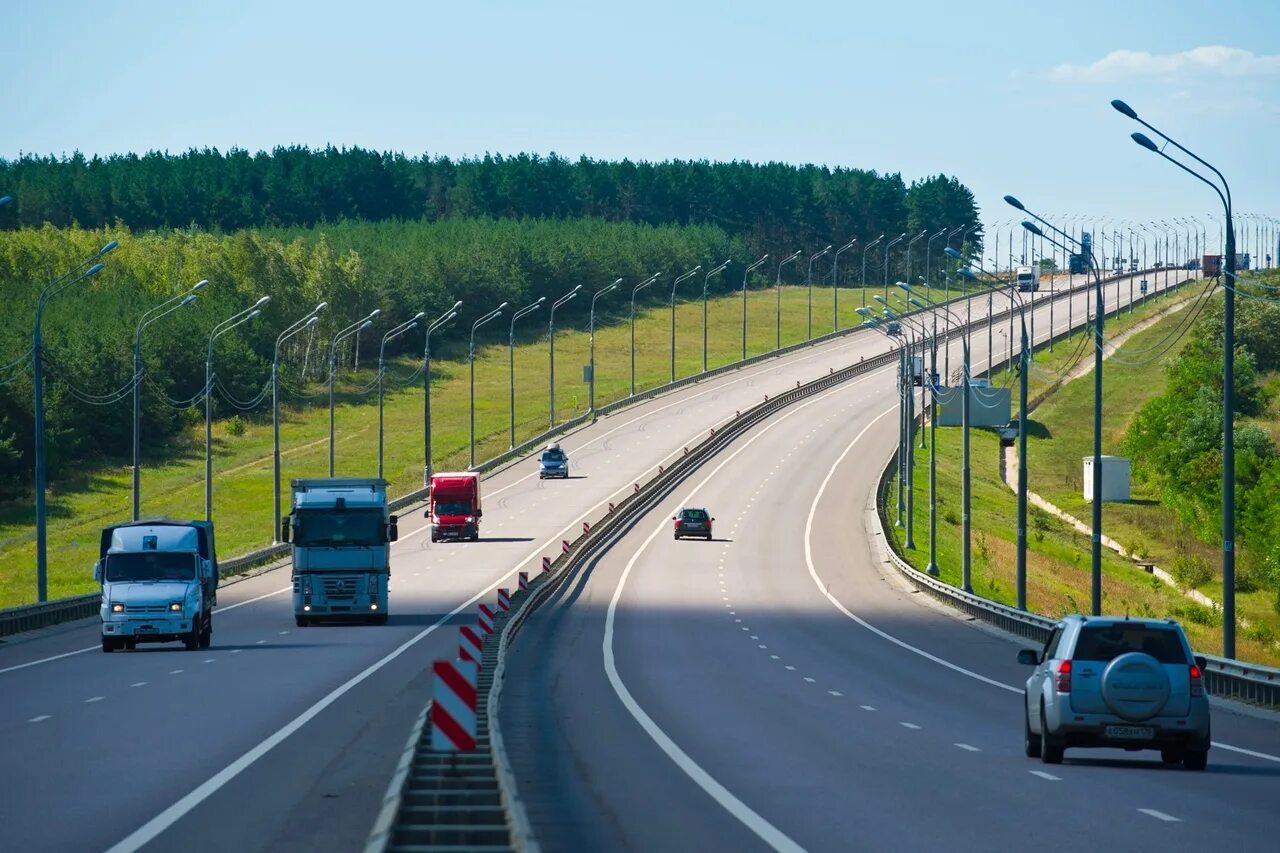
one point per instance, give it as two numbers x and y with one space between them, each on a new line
781 687
281 738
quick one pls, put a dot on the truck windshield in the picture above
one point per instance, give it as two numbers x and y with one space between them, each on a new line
453 508
150 566
321 527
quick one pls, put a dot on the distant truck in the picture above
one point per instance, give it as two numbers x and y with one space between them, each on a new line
1028 281
341 533
453 506
1211 265
159 583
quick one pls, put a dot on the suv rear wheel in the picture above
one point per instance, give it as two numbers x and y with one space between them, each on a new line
1030 740
1196 759
1050 752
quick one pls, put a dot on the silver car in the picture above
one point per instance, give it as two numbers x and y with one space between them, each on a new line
1106 681
553 463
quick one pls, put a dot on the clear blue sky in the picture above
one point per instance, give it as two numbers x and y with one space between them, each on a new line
1010 97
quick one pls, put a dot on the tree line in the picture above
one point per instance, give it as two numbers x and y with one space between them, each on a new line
775 207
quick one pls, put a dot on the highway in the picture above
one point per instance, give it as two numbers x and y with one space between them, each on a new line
780 687
284 738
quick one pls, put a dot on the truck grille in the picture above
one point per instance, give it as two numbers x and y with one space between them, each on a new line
146 608
340 587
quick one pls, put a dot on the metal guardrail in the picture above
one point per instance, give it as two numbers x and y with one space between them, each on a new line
426 810
1224 677
29 617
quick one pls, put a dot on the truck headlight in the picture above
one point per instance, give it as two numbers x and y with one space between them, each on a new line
117 608
470 518
176 607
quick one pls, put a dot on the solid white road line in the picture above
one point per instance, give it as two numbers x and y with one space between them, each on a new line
766 831
1043 775
1167 818
167 818
813 573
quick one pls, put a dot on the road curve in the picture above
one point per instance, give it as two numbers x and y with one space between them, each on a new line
780 688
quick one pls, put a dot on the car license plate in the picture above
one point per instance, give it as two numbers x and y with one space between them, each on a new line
1130 732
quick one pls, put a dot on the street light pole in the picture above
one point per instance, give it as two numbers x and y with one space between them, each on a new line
746 273
639 287
163 309
355 327
865 249
471 361
777 289
382 375
835 286
441 321
591 386
306 322
923 233
809 284
551 333
511 363
674 285
218 331
1228 375
705 281
887 247
84 270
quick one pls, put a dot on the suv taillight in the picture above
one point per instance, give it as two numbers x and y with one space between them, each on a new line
1063 680
1197 681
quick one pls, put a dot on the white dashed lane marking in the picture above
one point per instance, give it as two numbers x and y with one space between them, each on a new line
835 693
789 667
207 660
909 725
259 643
866 707
968 748
94 699
1049 776
39 719
1167 818
808 679
138 684
175 672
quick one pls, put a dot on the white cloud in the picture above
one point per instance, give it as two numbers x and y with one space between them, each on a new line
1214 59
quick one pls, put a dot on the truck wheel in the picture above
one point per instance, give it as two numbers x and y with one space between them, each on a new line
206 636
302 621
191 641
108 644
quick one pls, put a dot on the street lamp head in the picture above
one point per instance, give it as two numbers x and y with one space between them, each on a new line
965 272
254 313
915 302
5 199
1032 227
418 316
541 299
903 285
863 311
311 322
1124 109
187 300
94 270
262 301
320 306
953 253
1143 140
110 247
1013 202
199 285
878 298
366 324
374 313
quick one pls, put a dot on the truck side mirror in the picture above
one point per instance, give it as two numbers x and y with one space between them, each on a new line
286 528
393 529
97 572
479 513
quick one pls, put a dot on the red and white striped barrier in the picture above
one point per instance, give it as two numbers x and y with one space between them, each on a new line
586 528
471 645
610 507
486 619
564 545
737 414
766 398
546 564
504 599
661 469
453 706
637 488
523 581
713 432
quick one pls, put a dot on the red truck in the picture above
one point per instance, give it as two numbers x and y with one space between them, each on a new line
454 506
1211 265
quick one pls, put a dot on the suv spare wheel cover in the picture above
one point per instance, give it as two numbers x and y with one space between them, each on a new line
1135 686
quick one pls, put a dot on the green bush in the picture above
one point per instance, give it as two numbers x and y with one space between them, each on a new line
1190 571
951 518
1259 633
1197 614
236 426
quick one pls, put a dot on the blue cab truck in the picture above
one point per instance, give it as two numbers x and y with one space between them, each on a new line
341 534
159 582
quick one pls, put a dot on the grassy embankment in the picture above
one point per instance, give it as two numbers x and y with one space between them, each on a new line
174 484
1059 436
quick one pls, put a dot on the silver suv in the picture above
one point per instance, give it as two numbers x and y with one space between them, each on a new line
1106 681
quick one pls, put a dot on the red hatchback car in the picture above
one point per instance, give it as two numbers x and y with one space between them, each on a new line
692 522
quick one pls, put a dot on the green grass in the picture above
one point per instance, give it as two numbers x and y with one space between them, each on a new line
1058 557
173 481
